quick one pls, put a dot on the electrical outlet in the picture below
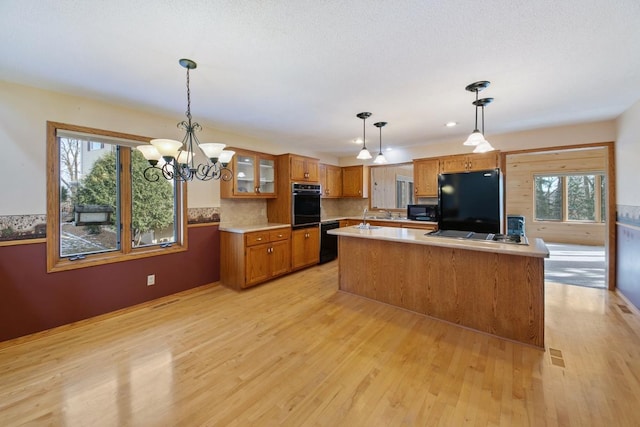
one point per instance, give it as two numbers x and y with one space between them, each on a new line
151 279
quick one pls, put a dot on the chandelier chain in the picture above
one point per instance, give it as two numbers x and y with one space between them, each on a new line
188 98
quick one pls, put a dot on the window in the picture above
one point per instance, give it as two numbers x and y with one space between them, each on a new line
94 145
576 197
100 208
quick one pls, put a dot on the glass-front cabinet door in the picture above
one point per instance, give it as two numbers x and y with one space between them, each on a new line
244 174
254 176
267 175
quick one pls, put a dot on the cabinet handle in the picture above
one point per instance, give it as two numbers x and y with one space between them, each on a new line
259 239
469 164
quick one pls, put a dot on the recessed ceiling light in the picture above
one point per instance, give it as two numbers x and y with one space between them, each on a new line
388 149
450 124
357 141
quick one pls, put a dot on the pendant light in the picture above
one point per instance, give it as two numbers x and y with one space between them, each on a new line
476 138
380 159
364 154
485 146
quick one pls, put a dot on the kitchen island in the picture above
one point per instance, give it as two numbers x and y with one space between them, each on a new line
488 286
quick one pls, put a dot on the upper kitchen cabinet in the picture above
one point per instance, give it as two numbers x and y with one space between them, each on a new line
254 176
425 177
331 181
291 168
470 162
303 168
355 181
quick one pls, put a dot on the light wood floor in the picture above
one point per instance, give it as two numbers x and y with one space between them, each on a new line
295 352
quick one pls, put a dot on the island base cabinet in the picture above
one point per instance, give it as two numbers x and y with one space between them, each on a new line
495 293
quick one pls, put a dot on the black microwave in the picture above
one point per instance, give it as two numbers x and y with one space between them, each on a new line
423 212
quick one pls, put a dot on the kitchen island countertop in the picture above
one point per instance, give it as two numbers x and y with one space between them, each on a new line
535 248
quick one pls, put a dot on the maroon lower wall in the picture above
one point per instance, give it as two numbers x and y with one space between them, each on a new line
628 263
33 300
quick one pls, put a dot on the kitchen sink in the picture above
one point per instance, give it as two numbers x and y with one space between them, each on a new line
367 226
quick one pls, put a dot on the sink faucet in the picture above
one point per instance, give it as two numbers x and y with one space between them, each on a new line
364 215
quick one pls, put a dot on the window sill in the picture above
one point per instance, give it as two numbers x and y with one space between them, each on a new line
102 259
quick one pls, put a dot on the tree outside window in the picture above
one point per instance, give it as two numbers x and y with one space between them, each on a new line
104 207
579 197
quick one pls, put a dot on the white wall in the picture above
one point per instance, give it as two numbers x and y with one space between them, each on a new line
604 131
628 157
24 112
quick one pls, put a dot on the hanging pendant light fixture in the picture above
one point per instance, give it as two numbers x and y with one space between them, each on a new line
476 136
485 146
364 154
178 158
380 159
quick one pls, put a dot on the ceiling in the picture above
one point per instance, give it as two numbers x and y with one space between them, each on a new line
298 72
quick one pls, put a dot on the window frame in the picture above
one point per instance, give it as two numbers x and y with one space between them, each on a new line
564 183
126 252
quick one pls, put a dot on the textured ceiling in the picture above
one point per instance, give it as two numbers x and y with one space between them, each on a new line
298 72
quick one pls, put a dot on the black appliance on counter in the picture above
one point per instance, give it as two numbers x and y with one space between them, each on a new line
305 204
471 201
424 212
328 242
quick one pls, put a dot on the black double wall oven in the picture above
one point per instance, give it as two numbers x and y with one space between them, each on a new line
305 205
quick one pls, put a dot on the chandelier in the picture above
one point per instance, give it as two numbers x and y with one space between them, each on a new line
175 160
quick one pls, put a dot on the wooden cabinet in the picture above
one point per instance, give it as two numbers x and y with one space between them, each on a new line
421 226
254 176
305 247
330 181
355 181
376 223
252 258
470 162
291 168
303 168
425 177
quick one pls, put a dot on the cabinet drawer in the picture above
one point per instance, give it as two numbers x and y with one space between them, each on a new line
276 235
256 238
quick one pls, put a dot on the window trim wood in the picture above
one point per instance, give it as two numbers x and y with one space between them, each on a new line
126 252
564 183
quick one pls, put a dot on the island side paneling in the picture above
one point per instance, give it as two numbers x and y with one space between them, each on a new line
496 293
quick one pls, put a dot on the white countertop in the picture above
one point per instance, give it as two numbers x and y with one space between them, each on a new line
231 228
535 248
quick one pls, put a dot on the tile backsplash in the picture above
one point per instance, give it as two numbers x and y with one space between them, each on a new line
243 211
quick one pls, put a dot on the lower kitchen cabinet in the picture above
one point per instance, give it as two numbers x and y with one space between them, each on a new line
247 259
305 247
